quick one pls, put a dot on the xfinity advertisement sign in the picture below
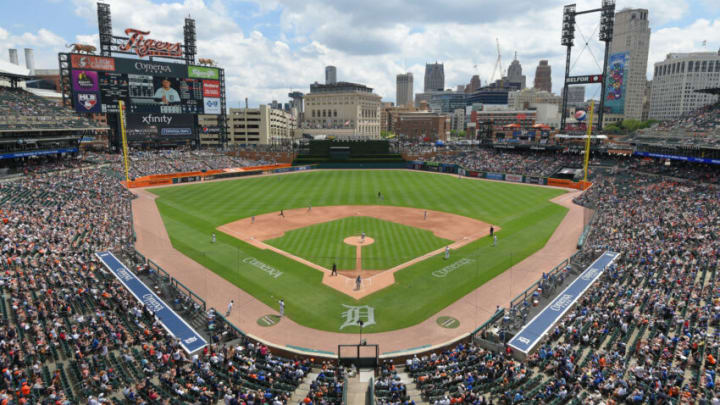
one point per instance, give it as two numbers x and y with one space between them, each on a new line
146 127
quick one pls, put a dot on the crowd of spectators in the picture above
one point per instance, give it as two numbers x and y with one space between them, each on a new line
529 164
145 163
71 333
646 332
705 119
20 109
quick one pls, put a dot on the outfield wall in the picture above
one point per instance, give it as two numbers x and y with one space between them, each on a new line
516 178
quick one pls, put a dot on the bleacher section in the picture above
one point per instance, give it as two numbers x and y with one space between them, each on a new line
22 111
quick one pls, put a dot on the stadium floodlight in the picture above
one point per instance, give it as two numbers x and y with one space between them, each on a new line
568 28
607 20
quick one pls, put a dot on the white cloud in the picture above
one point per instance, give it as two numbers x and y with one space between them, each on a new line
372 41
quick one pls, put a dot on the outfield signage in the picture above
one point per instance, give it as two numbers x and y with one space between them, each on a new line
514 177
533 332
587 79
202 72
37 153
677 157
495 176
190 340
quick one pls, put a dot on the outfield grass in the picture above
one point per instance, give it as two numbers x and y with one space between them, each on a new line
394 243
525 214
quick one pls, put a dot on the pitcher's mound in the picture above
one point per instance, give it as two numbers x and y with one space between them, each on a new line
358 241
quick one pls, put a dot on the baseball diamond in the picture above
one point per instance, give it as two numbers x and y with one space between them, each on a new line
300 255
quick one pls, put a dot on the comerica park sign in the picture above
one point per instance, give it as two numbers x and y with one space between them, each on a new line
149 47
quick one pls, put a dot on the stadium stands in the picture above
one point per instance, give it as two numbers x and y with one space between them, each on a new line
645 332
22 111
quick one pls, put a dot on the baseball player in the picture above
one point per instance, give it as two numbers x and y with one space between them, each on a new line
447 252
212 238
425 215
282 213
282 307
494 240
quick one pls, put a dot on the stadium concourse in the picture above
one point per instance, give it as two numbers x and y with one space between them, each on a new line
646 332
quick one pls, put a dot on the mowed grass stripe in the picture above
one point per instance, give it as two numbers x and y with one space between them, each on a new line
192 212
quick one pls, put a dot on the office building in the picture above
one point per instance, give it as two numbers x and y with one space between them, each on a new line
422 126
404 89
676 79
529 97
576 95
629 46
474 84
457 120
330 75
446 102
434 77
515 73
543 76
260 126
296 101
344 110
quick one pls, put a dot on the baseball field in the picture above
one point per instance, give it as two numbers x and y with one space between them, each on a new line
404 215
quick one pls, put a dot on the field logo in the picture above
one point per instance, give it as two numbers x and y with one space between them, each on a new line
450 268
272 271
353 315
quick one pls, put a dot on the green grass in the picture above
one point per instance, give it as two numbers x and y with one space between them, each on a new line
394 243
525 214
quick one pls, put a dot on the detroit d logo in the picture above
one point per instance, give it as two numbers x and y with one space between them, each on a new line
353 315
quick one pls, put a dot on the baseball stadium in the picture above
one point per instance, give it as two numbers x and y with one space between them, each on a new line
525 264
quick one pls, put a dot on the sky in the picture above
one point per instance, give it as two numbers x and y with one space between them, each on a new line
270 47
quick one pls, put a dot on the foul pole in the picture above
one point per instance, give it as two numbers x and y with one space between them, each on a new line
587 140
121 109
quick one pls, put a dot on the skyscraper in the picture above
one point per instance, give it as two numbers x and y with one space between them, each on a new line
629 49
543 76
330 75
404 89
434 77
676 80
474 84
515 73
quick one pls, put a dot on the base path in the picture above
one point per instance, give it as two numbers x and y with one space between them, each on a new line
256 230
471 310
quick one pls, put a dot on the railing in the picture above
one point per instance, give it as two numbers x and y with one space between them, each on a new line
345 391
371 391
550 278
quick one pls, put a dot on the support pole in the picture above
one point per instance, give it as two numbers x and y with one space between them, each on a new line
601 112
587 140
563 116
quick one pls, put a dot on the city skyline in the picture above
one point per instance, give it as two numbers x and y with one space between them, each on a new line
270 48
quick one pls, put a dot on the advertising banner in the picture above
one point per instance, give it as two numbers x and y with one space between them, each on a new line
202 72
615 83
211 105
514 177
141 126
495 176
472 173
144 67
678 157
85 80
534 180
211 88
92 62
87 102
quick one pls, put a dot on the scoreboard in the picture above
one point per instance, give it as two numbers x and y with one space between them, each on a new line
161 98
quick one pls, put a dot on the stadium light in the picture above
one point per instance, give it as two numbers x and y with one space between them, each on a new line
568 27
607 20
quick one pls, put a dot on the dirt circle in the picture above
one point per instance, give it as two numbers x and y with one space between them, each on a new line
357 241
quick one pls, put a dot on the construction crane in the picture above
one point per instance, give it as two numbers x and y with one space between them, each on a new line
498 65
